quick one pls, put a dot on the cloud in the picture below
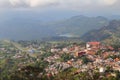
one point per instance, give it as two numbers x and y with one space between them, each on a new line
107 2
41 3
69 4
4 3
28 3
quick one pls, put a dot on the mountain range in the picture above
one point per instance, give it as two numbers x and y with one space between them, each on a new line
26 28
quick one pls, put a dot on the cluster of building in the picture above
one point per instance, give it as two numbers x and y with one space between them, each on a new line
100 57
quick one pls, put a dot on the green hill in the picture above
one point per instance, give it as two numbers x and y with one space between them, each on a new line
106 33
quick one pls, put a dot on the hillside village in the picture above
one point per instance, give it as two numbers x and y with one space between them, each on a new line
59 39
54 58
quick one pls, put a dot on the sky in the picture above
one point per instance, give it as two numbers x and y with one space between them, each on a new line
74 4
60 8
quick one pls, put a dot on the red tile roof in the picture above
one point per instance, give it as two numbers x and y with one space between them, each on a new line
94 43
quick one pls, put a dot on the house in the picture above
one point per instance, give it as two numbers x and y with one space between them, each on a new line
93 45
101 69
65 50
53 50
31 51
80 53
110 48
91 52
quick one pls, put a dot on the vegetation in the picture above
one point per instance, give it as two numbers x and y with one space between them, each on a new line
65 57
17 63
107 34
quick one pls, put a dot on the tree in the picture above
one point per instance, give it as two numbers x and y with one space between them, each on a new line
65 57
85 60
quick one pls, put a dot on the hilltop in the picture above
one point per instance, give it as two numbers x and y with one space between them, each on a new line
106 33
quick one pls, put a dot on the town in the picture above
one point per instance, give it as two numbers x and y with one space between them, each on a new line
39 60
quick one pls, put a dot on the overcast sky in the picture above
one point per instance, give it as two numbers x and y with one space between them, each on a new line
92 7
56 3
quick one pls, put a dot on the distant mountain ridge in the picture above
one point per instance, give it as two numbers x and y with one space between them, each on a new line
27 29
78 25
110 32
